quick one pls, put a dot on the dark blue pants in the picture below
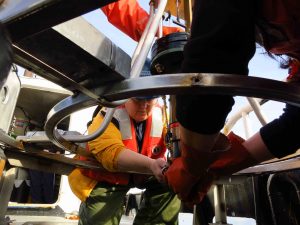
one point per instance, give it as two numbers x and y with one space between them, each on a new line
42 187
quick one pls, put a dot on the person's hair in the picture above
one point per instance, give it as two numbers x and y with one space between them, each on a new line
283 60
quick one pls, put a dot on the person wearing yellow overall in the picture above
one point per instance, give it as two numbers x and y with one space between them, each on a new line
133 141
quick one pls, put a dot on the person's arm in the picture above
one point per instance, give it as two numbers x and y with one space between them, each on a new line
129 17
257 148
229 155
106 147
110 151
129 161
196 144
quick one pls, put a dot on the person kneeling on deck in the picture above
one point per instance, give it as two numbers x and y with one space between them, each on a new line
133 141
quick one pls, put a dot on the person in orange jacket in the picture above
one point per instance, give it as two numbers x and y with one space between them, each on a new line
129 17
223 41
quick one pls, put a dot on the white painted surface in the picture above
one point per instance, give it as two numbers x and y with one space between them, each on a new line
67 201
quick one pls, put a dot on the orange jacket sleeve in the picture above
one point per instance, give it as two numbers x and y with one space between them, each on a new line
129 17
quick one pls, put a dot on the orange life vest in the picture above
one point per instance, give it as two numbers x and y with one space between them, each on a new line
153 144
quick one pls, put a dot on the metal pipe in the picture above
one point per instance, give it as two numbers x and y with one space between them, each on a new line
139 62
247 125
8 140
6 190
145 33
195 220
160 27
255 197
235 117
173 84
269 182
85 138
188 15
220 205
136 55
139 57
256 108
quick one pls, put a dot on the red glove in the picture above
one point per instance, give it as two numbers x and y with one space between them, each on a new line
191 188
187 174
226 163
129 17
233 160
197 162
180 180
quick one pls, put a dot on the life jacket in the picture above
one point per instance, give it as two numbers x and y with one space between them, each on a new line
153 145
278 23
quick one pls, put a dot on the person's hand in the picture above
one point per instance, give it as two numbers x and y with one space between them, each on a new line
181 180
198 161
226 163
191 187
186 172
156 166
235 159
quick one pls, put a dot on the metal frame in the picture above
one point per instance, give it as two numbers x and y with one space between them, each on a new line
174 84
6 188
195 83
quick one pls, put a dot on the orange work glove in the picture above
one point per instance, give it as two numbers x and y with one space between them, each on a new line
129 17
186 171
226 163
192 188
233 160
197 162
189 188
180 180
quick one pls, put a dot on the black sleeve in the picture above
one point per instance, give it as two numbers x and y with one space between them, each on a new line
281 136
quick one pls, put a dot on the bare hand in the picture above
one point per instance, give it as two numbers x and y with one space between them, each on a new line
156 167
